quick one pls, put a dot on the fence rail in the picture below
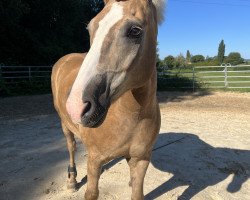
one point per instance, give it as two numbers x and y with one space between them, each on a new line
15 74
224 76
234 78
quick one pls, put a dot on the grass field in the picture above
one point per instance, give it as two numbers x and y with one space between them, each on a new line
238 78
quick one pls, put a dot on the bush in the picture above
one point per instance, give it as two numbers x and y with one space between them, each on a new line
169 61
173 82
206 63
24 88
197 58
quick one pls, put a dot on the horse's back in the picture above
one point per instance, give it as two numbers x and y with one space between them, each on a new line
63 76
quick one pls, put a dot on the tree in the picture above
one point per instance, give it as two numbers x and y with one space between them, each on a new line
40 32
158 60
169 61
180 61
188 56
197 58
234 58
208 58
221 52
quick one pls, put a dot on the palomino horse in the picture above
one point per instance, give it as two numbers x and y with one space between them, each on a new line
107 97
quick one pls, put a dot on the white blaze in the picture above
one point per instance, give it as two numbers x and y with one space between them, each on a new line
88 69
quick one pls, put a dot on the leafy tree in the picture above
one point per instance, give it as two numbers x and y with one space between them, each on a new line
188 56
180 61
40 32
11 31
169 61
221 52
209 58
158 60
234 58
197 58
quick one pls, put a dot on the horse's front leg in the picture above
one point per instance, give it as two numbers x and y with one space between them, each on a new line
71 144
93 174
138 168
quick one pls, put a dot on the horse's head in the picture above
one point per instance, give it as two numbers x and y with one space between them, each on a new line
122 57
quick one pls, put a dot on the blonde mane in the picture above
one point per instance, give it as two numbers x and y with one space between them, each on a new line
159 6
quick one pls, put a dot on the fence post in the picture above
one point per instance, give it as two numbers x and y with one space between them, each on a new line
193 80
29 74
1 78
225 81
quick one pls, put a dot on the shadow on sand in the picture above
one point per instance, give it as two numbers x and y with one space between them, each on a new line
105 167
175 96
33 150
196 164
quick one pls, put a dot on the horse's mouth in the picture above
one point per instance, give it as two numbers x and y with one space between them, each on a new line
94 119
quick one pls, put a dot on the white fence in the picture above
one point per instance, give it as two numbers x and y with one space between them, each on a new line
224 76
15 74
214 77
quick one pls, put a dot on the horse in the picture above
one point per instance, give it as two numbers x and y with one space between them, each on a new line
107 97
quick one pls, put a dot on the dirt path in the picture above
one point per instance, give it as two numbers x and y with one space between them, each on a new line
205 154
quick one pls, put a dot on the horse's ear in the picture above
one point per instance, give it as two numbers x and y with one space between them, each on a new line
159 6
106 1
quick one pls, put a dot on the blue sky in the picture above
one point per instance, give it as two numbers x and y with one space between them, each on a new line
200 25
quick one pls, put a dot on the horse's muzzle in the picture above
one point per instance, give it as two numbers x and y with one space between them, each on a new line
97 101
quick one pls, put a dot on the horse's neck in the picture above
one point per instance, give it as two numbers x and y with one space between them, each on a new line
146 95
141 100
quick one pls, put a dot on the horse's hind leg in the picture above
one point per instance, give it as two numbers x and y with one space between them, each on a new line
71 144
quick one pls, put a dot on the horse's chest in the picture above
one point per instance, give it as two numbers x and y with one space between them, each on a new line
115 135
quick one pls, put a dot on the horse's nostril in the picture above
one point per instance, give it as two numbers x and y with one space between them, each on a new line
87 108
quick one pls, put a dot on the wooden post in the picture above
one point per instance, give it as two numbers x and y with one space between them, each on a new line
29 74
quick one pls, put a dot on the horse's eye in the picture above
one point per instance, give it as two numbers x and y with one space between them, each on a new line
135 32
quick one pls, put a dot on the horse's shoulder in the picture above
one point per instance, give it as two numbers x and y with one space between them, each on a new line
71 59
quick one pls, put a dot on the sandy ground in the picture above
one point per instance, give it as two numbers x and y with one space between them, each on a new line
204 151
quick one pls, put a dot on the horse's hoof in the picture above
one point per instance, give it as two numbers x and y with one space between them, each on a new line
91 195
72 186
71 190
